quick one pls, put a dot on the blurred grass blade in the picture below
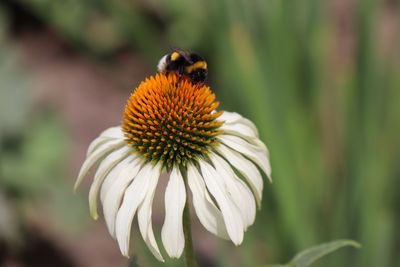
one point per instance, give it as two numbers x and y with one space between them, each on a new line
309 256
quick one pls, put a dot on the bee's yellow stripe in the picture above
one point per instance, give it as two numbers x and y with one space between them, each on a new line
197 65
175 56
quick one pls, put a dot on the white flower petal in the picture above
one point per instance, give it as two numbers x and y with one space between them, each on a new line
113 132
257 142
144 218
240 127
172 230
106 165
113 196
134 196
235 124
96 143
239 192
107 135
235 118
209 215
246 168
257 155
112 176
230 212
100 152
248 196
242 131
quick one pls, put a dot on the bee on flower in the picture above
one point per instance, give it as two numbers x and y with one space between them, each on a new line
171 124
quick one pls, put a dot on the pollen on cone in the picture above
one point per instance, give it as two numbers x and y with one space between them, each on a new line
169 119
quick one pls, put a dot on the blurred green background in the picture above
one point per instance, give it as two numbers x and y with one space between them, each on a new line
321 80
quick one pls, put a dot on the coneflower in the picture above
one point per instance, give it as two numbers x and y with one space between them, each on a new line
171 125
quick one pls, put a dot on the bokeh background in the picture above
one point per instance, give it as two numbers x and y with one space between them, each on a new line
321 79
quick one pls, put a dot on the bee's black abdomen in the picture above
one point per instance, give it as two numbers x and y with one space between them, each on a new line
198 76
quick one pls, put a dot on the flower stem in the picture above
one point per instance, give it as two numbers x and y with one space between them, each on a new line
190 259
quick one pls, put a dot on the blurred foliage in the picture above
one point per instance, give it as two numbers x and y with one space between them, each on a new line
10 124
322 85
13 88
33 149
31 170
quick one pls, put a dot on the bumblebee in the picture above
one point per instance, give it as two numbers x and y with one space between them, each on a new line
184 63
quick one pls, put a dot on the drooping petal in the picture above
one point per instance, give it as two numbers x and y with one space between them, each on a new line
96 143
209 215
235 124
243 131
235 118
257 155
249 199
144 218
134 196
112 176
106 165
246 168
239 127
112 198
230 212
107 135
239 192
172 230
100 152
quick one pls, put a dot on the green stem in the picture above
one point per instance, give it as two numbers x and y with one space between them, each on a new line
190 259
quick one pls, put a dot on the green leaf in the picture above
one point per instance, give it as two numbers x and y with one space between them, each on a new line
311 255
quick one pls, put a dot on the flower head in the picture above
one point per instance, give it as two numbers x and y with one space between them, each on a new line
170 125
171 121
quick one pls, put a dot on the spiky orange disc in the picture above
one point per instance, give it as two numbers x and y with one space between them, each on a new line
169 119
